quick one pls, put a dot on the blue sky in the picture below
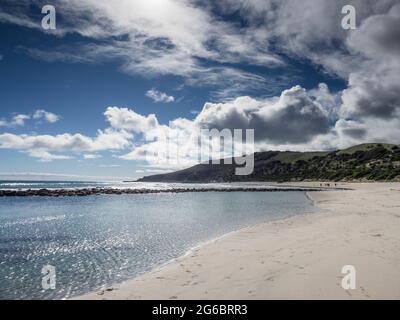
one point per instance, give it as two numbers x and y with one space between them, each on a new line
112 55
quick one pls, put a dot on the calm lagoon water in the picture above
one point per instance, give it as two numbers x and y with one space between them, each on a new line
100 240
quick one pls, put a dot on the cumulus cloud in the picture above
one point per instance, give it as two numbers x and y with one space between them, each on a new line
45 115
351 129
21 119
367 58
166 37
16 120
374 89
46 156
294 117
44 145
159 96
126 119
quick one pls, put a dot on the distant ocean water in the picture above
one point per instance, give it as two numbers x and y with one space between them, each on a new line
24 185
101 240
28 184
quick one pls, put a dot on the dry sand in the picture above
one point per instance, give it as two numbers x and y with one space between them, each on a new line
295 258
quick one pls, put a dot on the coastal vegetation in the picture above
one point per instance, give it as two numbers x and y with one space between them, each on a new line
365 162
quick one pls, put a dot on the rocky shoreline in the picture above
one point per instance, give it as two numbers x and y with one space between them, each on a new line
113 191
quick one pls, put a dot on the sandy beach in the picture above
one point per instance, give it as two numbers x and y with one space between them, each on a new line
296 258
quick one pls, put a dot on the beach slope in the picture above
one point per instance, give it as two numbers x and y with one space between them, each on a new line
296 258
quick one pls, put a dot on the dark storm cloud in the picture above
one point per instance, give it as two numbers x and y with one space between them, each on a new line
374 90
294 117
351 129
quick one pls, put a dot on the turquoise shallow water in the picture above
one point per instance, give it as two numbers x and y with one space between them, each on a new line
100 240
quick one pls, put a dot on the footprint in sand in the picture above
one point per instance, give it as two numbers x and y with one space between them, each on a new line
365 292
100 293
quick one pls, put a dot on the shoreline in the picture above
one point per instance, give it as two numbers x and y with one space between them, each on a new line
100 291
216 269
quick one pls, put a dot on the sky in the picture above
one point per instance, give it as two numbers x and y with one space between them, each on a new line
92 98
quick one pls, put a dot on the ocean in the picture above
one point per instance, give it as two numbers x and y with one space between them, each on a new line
96 241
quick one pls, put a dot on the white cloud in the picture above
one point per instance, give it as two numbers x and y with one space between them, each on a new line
21 119
152 38
126 119
16 120
374 89
41 146
46 115
159 96
167 37
91 156
45 156
49 147
294 117
296 120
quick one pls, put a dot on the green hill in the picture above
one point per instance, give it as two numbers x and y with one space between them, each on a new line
372 162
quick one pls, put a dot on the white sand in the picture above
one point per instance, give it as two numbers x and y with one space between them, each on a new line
296 258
